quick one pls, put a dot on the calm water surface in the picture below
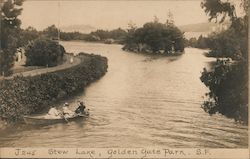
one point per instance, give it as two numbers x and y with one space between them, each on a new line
141 101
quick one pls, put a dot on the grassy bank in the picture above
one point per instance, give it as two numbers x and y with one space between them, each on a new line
27 95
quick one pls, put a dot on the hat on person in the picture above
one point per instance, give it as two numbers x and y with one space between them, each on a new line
82 102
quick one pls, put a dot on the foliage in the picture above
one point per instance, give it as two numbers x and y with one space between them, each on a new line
154 37
228 43
192 42
228 85
72 36
219 9
44 52
28 35
27 95
10 25
228 81
117 35
201 42
52 32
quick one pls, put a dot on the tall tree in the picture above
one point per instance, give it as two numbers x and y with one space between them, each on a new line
170 20
51 32
228 82
9 25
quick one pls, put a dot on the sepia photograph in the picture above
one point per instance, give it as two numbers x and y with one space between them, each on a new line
124 74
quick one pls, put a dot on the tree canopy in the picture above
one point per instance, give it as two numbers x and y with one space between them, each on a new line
10 26
44 52
228 81
154 37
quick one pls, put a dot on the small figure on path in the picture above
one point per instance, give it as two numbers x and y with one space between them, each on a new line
71 59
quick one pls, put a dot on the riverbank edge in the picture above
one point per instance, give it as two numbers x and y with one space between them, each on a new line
159 54
21 95
156 54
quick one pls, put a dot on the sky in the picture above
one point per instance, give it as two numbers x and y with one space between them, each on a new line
108 14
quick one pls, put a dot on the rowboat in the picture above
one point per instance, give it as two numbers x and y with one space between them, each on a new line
44 120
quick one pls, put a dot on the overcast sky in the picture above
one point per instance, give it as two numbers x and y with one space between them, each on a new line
108 14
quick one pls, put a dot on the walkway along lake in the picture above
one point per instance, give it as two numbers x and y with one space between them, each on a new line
141 101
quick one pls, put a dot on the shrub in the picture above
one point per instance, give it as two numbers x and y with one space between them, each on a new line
44 52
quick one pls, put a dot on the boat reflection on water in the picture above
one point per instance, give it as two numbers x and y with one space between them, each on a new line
43 120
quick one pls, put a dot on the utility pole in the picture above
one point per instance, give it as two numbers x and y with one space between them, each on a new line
58 25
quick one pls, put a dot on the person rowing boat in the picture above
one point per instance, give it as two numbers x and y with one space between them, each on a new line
55 116
80 109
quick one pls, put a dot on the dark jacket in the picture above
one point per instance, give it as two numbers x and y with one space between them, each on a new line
80 109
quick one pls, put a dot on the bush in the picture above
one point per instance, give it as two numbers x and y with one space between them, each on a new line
44 52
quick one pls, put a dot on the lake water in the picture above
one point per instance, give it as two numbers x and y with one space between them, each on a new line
141 101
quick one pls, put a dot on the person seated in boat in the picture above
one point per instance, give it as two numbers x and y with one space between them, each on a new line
80 108
53 113
67 113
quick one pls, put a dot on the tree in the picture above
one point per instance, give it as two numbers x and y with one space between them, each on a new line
129 41
44 52
192 42
118 34
51 32
228 81
28 35
170 20
10 26
202 42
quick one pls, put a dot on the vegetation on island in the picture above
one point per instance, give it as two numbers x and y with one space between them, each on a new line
155 37
228 80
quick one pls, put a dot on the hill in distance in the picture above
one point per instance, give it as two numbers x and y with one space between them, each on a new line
200 27
78 28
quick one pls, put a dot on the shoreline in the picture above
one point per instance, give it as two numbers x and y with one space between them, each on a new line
26 95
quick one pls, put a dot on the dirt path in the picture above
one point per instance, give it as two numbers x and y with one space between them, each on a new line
65 65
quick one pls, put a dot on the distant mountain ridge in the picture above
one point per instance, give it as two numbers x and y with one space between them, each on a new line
78 28
199 27
205 27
